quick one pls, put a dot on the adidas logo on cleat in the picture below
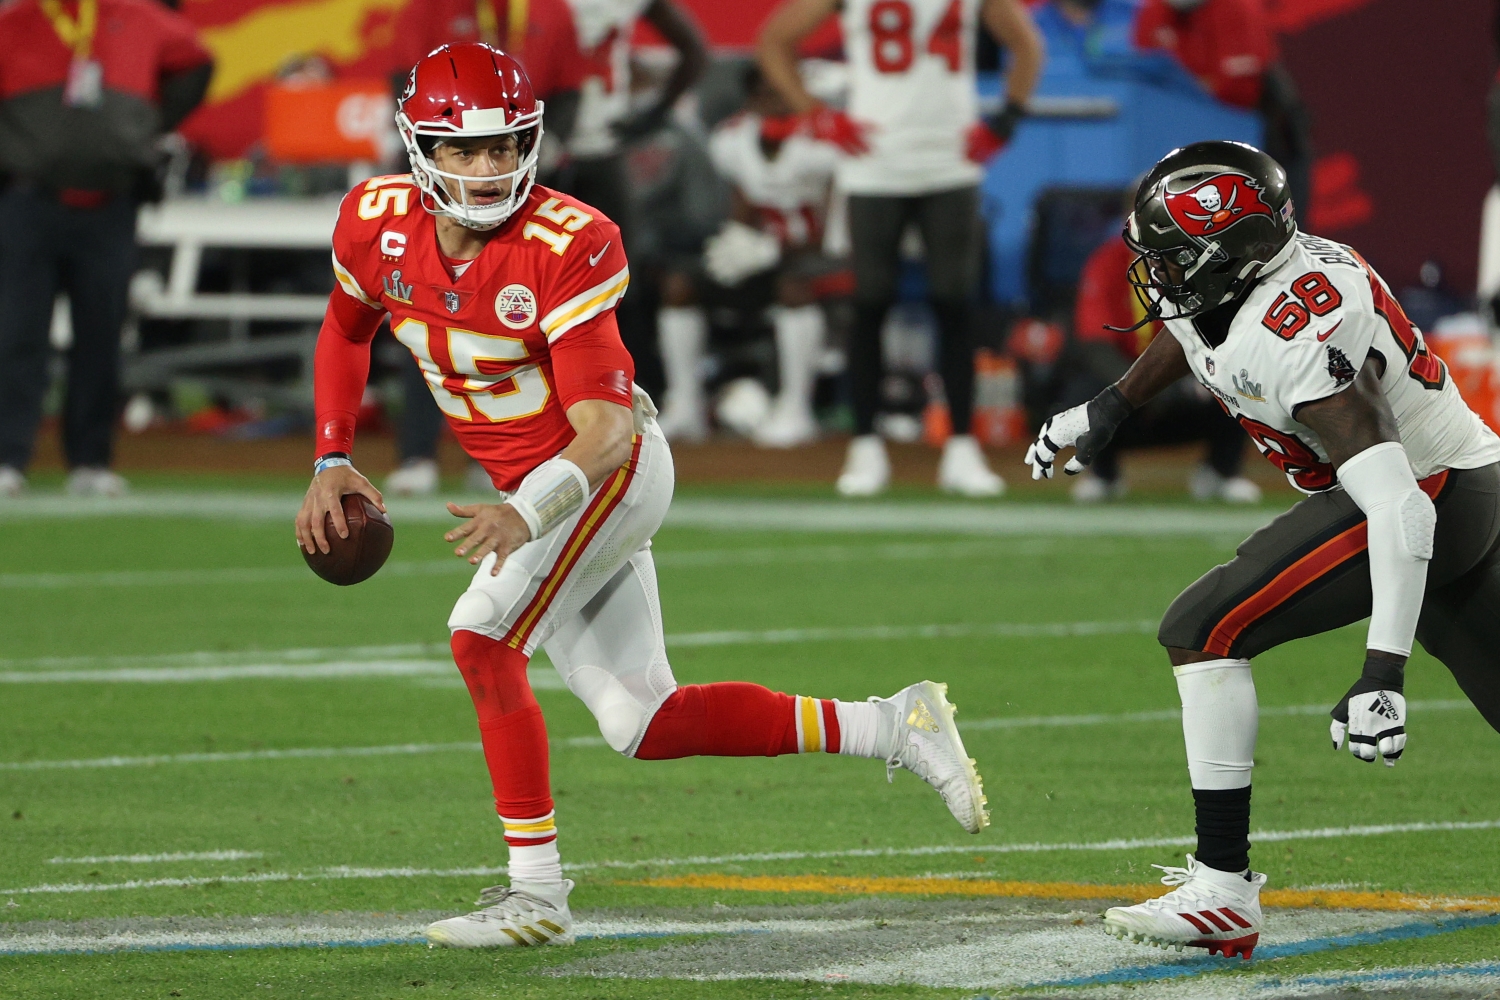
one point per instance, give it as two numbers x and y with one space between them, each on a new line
921 718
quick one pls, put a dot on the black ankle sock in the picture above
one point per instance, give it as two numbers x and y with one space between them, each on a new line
1223 827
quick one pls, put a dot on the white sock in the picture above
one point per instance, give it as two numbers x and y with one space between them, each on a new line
533 849
682 332
1219 720
799 346
859 728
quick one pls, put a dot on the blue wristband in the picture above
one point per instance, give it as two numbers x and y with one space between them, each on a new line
330 462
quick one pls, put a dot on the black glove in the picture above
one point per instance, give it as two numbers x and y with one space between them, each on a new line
1378 726
1086 429
1003 122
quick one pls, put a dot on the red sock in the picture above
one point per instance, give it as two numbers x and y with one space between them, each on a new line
510 724
734 719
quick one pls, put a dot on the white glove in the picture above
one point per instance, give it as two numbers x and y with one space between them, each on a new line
1375 723
737 251
1086 429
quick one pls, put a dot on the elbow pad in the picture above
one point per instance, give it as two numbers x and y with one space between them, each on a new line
1401 521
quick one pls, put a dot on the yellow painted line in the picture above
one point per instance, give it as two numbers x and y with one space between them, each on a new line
1297 899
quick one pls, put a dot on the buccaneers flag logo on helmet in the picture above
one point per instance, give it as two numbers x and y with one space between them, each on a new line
1215 204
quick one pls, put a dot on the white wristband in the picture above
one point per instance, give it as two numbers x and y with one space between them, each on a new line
1400 523
549 495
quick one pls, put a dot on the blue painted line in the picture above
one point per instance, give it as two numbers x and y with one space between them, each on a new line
1198 966
1389 975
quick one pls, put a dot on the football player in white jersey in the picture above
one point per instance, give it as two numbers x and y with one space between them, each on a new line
1304 344
765 258
916 148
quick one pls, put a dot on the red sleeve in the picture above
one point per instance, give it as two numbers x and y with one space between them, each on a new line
591 363
1237 47
1153 17
177 44
557 48
1098 291
341 367
589 278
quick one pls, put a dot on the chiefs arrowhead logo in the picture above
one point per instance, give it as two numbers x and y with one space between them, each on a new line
1212 206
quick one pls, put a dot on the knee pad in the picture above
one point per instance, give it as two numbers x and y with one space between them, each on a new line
475 611
621 717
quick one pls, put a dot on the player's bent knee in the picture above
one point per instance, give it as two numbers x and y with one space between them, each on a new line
621 718
474 611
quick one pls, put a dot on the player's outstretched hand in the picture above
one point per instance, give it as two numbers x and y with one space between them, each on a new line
491 527
1375 722
1086 429
325 495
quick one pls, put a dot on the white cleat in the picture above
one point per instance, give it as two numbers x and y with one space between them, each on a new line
12 481
963 469
476 480
683 423
1209 909
1239 490
925 741
417 477
1205 484
789 426
867 469
518 915
96 481
1091 489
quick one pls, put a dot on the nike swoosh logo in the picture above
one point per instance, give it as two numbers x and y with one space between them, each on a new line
1329 332
596 258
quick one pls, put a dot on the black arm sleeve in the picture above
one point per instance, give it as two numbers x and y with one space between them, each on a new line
181 93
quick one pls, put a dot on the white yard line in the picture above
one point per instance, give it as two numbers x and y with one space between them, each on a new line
149 859
685 559
194 667
292 753
347 872
407 749
916 517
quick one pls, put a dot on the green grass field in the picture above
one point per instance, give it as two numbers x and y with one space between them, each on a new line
156 668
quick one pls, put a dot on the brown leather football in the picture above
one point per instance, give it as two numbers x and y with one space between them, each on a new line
356 558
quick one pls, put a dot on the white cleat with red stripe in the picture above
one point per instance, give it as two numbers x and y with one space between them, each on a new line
519 915
1208 908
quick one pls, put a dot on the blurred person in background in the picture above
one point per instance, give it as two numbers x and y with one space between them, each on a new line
87 88
765 255
1230 48
916 146
542 36
1109 337
609 121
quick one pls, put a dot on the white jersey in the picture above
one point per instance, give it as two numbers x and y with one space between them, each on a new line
604 30
911 77
789 191
1301 335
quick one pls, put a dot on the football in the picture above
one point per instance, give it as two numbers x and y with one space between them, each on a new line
356 558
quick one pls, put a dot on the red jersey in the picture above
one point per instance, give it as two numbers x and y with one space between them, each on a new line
1227 44
506 344
543 36
1105 296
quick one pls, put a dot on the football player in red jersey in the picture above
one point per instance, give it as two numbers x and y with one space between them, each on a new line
505 292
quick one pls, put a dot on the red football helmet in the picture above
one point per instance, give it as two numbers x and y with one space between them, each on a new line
469 89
